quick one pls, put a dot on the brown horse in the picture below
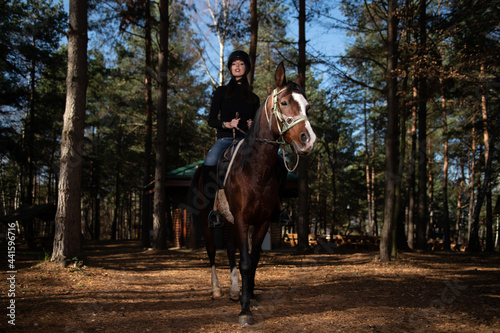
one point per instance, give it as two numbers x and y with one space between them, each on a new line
252 184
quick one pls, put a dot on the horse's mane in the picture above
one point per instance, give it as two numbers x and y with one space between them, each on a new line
251 137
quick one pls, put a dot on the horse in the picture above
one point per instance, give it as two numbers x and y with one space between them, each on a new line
251 185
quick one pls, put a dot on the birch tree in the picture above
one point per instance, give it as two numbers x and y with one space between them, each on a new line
219 21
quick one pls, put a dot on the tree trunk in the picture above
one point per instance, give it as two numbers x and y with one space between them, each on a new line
474 242
399 239
374 194
391 137
430 231
472 177
333 178
422 215
94 192
146 206
486 135
254 29
116 211
497 238
303 200
30 138
219 13
159 219
28 200
97 218
458 238
412 175
67 241
371 230
446 218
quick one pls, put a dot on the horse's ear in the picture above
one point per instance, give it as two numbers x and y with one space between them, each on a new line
301 80
279 76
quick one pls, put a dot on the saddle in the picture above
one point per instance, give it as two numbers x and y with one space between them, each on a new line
224 165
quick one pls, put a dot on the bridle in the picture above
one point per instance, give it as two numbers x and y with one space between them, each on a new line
283 123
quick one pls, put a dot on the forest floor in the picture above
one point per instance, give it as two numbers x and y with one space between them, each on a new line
124 288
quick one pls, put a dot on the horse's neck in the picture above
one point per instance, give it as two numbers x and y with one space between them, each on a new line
266 119
265 155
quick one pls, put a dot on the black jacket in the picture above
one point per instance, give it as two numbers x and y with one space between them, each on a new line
224 110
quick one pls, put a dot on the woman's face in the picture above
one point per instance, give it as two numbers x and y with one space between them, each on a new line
238 69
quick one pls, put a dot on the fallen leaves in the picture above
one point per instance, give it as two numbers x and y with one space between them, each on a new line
123 288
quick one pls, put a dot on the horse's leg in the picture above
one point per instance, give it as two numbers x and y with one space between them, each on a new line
245 316
208 189
255 257
216 291
234 290
210 246
258 236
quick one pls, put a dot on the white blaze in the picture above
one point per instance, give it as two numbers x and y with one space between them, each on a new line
301 100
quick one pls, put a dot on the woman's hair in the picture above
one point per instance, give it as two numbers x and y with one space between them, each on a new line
246 89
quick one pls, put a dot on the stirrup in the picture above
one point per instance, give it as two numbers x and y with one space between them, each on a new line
214 220
284 219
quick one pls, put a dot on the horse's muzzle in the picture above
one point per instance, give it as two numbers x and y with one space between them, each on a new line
306 144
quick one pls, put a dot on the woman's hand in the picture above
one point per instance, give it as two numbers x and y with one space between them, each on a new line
233 123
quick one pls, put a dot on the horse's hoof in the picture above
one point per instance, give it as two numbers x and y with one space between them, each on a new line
216 293
245 320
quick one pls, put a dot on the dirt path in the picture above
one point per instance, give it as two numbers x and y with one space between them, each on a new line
124 288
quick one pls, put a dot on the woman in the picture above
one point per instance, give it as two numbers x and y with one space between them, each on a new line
233 106
231 113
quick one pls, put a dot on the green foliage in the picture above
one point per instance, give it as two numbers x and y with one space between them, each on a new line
459 63
31 103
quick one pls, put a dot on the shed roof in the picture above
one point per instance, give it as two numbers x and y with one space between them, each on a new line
181 177
187 172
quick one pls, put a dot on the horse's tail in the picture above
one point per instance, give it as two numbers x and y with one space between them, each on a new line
195 203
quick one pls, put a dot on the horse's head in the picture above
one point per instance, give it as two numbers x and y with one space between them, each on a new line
288 105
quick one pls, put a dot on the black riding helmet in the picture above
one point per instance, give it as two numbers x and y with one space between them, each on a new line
240 55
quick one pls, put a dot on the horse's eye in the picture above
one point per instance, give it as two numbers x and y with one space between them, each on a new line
284 103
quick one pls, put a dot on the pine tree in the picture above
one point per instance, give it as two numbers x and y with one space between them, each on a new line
67 240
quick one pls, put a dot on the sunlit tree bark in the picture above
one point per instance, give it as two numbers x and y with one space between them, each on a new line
391 137
67 240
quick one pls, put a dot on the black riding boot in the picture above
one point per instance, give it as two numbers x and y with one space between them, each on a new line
280 213
281 216
211 188
284 219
